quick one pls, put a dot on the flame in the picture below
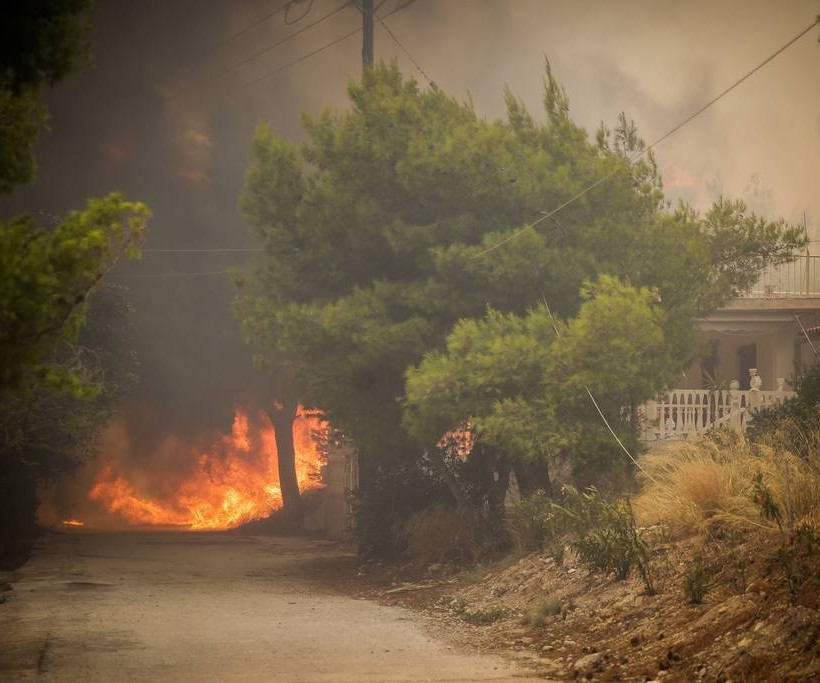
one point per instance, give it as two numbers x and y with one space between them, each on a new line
72 522
233 481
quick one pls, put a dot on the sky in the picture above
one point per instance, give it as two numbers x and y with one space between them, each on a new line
167 113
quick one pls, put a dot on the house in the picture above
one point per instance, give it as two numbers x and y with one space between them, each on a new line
757 345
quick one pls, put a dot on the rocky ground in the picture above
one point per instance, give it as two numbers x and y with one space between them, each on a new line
583 625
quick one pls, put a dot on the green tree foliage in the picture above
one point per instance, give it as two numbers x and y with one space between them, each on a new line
376 230
47 276
41 42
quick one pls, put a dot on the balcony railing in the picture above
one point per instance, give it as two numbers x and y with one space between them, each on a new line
796 279
687 414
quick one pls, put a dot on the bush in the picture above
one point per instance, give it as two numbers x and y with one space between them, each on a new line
540 613
440 534
795 423
719 486
382 507
606 537
696 582
530 522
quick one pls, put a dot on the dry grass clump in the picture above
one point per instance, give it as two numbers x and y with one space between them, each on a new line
721 483
442 535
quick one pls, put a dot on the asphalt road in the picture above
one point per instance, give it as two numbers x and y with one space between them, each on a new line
209 607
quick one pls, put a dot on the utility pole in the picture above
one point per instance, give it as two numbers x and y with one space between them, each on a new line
367 31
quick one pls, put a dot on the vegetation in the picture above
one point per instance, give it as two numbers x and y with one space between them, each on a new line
696 582
539 615
378 295
64 365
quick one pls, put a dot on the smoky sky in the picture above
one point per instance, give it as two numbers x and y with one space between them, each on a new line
158 118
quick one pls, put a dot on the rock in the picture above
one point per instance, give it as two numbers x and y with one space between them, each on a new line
547 648
526 640
745 643
589 663
435 568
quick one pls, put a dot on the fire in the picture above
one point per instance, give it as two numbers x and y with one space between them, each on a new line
232 481
72 522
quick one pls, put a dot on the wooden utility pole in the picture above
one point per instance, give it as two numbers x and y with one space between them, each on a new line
367 31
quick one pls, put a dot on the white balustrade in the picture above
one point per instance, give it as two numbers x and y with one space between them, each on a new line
683 414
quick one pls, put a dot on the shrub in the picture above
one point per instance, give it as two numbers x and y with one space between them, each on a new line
795 423
530 522
441 534
606 537
720 485
540 613
382 508
696 581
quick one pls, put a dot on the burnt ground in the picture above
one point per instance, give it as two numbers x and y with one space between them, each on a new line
754 624
213 607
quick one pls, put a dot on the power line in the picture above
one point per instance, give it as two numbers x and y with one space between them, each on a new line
171 274
282 41
659 140
256 23
197 251
405 50
296 61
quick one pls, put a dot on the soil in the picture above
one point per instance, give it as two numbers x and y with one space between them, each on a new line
749 627
212 607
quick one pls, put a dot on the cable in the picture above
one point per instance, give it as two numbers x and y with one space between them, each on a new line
197 251
301 16
314 52
255 24
282 41
655 143
606 422
406 51
171 274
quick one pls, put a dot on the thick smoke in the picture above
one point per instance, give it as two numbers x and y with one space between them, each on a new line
155 120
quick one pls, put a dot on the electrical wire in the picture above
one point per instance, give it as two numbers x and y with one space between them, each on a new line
606 422
256 23
301 16
281 41
655 143
406 51
197 251
324 47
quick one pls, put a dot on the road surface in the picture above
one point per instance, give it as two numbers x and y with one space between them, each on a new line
209 607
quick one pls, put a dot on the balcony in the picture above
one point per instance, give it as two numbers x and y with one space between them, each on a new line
793 280
687 414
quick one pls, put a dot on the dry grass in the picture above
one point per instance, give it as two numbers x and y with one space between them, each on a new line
440 534
709 485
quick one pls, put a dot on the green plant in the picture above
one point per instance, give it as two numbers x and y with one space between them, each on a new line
530 522
696 581
540 613
798 561
606 537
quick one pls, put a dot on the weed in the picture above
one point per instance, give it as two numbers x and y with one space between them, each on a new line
474 575
540 613
696 581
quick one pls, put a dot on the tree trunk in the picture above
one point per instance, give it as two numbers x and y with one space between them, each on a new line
282 420
437 460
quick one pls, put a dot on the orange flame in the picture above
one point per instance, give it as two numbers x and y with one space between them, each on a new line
234 481
72 522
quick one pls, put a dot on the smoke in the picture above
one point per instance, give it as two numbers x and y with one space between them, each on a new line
159 118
